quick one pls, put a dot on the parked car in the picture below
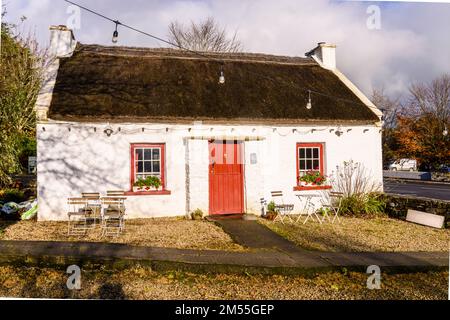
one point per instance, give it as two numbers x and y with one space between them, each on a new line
404 165
444 168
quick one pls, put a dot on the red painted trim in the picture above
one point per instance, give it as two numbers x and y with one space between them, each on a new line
305 188
162 146
148 193
309 145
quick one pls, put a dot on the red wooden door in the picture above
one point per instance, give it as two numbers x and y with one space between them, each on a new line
226 189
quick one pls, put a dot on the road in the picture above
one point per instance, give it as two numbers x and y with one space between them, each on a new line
412 188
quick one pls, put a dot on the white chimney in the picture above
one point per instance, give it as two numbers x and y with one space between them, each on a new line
325 53
62 41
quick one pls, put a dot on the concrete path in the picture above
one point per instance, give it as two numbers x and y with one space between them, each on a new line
258 261
252 234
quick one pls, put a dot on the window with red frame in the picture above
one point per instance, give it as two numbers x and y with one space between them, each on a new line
147 160
309 158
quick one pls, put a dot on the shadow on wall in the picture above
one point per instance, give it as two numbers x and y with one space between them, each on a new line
68 166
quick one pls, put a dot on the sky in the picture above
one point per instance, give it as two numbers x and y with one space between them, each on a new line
380 45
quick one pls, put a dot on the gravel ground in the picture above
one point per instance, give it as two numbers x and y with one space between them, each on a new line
142 283
159 232
363 234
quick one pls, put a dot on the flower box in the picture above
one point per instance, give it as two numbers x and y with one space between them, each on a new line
144 189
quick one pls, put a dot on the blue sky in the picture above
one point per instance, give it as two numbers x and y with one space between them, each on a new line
412 45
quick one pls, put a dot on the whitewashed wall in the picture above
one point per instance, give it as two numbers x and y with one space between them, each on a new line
84 160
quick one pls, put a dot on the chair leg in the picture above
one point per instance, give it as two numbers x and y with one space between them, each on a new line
317 217
307 217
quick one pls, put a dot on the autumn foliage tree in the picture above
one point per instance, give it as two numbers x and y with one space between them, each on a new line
422 124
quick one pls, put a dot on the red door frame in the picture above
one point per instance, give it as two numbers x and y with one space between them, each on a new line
240 150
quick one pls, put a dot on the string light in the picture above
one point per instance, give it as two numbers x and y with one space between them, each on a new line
445 132
309 105
222 76
115 36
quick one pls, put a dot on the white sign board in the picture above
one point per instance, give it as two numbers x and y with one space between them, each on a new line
426 219
31 165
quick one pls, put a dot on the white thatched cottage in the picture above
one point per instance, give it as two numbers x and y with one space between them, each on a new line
111 116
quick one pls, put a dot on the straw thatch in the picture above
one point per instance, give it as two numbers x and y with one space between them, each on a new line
132 84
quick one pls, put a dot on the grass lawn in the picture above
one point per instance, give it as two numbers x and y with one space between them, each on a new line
159 232
363 234
142 283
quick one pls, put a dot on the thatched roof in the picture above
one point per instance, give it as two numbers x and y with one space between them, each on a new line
133 84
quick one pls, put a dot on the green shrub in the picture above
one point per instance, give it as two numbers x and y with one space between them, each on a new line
197 214
12 195
271 207
361 194
362 204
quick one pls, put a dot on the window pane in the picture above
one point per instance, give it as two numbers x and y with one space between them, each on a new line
155 154
316 164
308 153
302 165
316 153
147 154
139 154
140 166
156 167
148 166
302 152
309 164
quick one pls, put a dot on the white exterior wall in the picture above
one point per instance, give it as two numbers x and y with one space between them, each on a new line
84 160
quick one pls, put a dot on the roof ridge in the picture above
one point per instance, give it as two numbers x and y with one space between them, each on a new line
181 54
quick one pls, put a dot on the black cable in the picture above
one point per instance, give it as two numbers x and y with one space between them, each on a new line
117 22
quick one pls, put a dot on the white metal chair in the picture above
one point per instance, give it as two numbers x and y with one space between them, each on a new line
77 216
115 193
309 209
282 208
93 205
113 215
332 201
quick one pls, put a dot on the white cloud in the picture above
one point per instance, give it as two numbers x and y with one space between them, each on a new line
412 44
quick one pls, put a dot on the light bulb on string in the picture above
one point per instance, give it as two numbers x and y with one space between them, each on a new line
115 36
309 104
222 76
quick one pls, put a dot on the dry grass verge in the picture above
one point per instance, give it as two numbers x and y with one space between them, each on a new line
159 232
142 283
363 234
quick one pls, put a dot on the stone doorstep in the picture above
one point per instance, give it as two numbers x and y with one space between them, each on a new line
211 261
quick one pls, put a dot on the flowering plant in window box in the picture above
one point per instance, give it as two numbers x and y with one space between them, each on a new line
312 178
147 184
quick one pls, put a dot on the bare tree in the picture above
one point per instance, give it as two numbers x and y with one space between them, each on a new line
432 99
391 108
206 36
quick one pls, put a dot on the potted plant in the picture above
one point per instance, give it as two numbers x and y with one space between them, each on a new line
312 178
147 184
271 211
197 214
